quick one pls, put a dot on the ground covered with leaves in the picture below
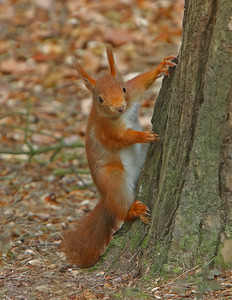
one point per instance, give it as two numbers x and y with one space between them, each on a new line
45 184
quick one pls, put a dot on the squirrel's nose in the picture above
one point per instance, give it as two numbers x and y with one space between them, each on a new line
120 108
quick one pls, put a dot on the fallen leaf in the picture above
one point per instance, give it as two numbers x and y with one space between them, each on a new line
43 288
213 273
4 93
89 295
12 66
51 198
117 36
90 61
41 57
35 262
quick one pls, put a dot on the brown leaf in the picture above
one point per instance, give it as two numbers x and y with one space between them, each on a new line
41 57
12 66
89 295
35 262
4 93
41 216
90 61
41 139
118 36
4 46
51 198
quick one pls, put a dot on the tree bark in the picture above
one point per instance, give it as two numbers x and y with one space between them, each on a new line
187 177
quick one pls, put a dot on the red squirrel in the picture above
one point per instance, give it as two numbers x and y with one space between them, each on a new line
115 155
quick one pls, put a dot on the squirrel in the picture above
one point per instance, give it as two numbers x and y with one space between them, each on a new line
115 155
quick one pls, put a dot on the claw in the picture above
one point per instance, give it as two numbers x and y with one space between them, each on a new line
148 214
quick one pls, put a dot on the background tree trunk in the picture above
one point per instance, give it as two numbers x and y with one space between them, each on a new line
187 178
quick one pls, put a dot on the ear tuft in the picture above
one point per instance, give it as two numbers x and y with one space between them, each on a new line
88 80
110 56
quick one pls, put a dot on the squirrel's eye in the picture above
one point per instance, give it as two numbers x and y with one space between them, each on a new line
100 99
124 90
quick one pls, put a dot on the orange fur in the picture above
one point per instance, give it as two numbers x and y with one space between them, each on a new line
83 74
115 162
111 60
86 242
113 134
137 85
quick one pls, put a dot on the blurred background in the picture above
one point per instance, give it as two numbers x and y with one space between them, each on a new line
38 40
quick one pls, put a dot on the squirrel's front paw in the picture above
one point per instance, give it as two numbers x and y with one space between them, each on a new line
169 61
150 136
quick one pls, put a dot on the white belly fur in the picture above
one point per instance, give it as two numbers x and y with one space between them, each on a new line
133 156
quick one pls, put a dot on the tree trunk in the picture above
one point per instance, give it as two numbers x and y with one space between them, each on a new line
187 178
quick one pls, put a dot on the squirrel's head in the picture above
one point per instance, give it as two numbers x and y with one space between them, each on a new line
109 94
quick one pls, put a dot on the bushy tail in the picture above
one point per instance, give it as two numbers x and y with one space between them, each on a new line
84 244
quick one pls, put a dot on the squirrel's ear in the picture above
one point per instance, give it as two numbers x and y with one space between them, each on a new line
88 81
113 68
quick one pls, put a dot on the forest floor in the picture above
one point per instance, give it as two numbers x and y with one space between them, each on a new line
45 183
